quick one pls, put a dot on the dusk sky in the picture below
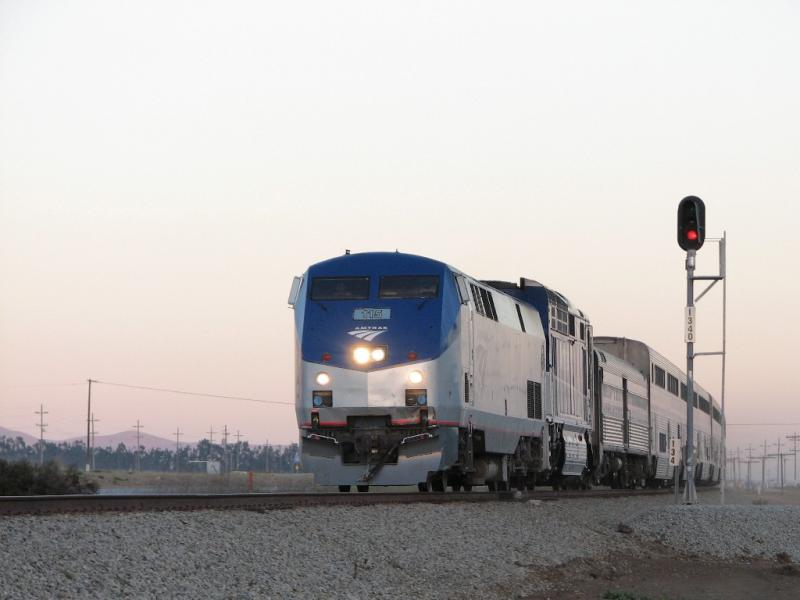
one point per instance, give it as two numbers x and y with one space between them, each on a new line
166 168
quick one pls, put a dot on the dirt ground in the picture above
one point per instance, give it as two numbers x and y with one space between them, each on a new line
659 573
665 576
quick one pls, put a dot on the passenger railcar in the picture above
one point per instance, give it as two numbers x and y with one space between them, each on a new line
631 362
410 372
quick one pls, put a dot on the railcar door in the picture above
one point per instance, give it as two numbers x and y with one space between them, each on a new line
626 419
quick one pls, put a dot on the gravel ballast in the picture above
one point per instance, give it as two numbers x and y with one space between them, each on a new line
492 550
724 532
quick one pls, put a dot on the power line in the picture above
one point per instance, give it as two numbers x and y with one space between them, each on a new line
35 385
185 393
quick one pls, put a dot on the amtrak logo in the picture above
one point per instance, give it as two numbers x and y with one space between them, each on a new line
367 333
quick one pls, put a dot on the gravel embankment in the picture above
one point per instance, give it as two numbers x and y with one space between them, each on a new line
497 550
724 532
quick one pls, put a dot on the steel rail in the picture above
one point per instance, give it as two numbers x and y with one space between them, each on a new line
48 505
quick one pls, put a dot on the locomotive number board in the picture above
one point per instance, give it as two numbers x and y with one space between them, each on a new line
372 314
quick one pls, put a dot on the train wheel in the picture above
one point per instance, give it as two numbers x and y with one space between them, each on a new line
439 482
467 487
362 488
422 486
491 485
344 488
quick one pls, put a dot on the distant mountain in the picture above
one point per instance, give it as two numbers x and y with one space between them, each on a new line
10 433
103 441
128 438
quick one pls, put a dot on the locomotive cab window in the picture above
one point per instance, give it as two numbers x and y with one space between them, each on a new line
340 288
409 286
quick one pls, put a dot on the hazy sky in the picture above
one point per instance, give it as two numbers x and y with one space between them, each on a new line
166 168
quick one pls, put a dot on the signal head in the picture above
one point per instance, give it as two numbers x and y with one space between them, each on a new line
691 223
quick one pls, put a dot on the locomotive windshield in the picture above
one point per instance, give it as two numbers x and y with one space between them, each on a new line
409 286
340 288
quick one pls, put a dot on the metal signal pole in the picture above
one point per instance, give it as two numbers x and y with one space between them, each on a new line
691 236
724 273
689 492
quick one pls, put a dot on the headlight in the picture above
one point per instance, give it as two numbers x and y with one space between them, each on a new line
361 355
323 378
415 377
378 354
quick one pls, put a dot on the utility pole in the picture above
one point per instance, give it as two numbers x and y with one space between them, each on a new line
210 433
41 425
266 456
177 449
93 439
138 427
749 462
738 460
225 448
763 465
89 429
238 447
794 437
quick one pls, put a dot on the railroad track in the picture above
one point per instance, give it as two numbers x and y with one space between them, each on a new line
44 505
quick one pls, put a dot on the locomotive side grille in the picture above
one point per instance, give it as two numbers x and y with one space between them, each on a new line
466 388
534 400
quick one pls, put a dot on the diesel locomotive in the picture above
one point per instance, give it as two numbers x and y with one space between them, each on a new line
410 372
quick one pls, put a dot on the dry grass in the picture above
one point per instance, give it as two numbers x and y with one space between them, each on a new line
200 483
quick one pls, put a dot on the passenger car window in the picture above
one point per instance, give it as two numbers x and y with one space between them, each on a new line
409 286
340 288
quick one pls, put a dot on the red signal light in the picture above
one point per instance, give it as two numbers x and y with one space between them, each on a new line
691 235
326 357
412 355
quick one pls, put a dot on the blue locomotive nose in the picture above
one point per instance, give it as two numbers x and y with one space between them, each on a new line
376 310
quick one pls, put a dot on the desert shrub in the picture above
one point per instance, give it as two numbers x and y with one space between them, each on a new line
24 479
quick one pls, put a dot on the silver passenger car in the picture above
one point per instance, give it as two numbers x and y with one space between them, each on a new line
666 396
